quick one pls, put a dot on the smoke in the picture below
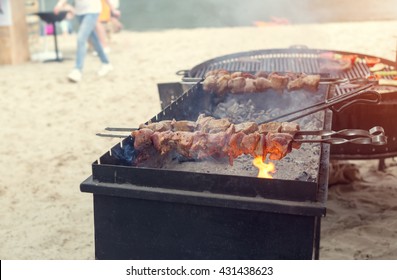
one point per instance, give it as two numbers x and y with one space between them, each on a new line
164 14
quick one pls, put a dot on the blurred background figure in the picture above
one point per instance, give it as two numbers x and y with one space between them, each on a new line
87 13
115 19
104 24
66 24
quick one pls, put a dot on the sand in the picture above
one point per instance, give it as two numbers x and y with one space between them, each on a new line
48 128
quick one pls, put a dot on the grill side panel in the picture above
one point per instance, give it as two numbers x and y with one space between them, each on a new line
142 229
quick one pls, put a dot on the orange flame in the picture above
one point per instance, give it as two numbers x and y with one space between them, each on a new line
264 168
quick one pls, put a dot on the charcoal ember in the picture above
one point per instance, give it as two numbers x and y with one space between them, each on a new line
181 159
236 112
304 176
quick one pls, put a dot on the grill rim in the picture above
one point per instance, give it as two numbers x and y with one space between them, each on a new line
206 65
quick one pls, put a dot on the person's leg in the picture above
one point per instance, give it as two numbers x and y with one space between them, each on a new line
87 27
98 47
101 33
106 66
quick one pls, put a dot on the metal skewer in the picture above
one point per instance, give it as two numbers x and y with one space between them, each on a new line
111 135
373 136
129 129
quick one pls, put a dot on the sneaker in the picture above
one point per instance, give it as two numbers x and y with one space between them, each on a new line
105 69
75 76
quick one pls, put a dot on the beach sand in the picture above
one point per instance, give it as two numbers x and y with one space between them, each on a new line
48 128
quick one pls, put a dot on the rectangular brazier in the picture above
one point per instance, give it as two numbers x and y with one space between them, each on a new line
154 213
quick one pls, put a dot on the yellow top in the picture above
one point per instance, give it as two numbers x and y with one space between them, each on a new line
104 16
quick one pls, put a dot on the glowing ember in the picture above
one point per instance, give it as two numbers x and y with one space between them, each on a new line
265 169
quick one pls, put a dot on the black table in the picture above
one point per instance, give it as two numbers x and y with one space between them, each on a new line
51 18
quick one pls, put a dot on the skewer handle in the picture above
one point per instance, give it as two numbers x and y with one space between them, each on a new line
376 130
374 140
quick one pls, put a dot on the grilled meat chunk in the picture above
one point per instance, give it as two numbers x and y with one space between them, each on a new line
163 141
222 84
311 81
142 138
249 143
246 127
269 127
215 125
278 145
183 125
250 85
296 82
183 141
209 84
158 126
262 84
236 85
278 82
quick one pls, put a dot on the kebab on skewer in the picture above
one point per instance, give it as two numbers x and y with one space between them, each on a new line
217 138
222 81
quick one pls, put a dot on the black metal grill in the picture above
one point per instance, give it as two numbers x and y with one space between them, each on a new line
273 209
144 213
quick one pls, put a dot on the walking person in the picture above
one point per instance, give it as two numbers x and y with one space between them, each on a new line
115 18
87 12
